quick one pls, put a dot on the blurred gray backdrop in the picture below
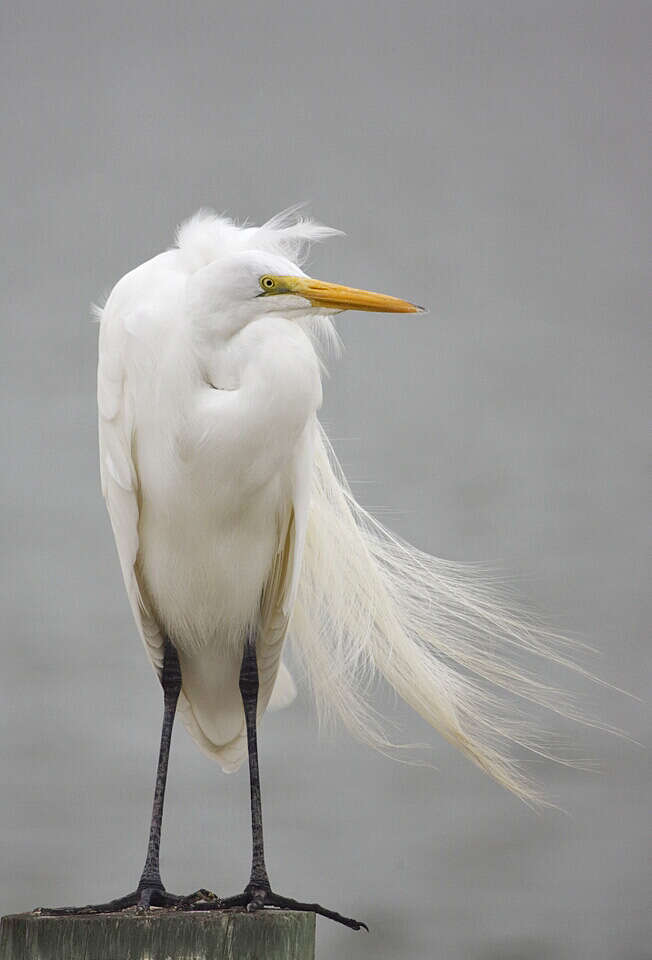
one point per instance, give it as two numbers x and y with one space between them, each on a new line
489 159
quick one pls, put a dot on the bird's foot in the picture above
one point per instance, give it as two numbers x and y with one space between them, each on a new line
142 899
258 896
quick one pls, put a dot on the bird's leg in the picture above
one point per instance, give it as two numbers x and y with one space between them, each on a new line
150 880
150 890
258 892
258 880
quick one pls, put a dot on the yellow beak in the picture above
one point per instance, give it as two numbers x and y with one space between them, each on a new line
336 297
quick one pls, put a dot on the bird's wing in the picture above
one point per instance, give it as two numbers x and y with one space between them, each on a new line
281 588
121 488
118 470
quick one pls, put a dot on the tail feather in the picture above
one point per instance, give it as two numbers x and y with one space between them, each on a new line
443 636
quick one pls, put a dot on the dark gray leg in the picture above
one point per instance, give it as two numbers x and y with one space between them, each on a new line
150 881
258 879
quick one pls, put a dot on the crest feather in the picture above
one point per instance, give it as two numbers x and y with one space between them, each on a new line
207 236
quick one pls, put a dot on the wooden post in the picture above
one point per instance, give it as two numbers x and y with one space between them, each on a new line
160 935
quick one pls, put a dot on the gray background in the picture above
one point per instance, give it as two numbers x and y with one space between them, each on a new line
488 159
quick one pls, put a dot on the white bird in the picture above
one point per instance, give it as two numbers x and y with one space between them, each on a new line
235 527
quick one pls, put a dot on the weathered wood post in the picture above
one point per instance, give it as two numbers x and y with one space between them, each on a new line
160 935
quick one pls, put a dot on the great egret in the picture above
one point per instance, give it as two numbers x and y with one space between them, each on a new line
235 527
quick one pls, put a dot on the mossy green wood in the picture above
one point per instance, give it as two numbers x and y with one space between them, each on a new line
160 935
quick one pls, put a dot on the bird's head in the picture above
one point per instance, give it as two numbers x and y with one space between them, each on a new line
230 292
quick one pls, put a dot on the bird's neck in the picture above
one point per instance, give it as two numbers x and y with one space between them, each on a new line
264 352
269 380
242 405
223 366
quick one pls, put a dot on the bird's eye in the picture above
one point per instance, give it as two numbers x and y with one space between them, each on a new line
267 283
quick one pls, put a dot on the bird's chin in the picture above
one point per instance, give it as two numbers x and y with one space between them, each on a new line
302 310
325 311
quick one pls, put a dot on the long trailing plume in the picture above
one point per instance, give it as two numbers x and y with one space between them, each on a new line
441 634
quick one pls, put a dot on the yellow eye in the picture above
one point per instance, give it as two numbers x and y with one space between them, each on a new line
267 283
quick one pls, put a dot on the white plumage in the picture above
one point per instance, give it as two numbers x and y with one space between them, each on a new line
229 511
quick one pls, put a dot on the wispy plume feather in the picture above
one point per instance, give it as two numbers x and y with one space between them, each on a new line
440 633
